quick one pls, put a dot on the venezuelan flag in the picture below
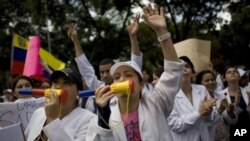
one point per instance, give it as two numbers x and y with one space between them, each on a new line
19 51
18 55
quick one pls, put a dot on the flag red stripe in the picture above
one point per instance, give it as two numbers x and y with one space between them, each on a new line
17 67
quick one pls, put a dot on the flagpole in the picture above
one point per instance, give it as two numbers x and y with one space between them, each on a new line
47 23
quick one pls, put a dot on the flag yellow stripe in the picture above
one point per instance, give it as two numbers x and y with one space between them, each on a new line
51 60
20 42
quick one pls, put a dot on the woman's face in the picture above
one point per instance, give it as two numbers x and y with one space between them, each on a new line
232 75
155 79
124 73
188 73
22 84
209 82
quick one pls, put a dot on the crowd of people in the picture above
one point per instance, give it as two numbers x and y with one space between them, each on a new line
179 104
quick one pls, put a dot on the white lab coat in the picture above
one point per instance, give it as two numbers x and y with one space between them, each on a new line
220 85
90 104
148 89
185 121
152 111
73 127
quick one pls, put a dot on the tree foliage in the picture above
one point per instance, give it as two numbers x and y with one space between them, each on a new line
187 16
234 39
102 26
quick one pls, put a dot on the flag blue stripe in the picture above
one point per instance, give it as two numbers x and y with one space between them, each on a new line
19 54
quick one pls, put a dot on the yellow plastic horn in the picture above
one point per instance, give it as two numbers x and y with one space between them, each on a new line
125 87
60 92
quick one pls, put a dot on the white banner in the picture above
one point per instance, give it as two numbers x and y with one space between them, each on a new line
19 112
12 133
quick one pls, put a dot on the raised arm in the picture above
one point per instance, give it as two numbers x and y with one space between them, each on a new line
155 18
169 82
46 67
86 69
72 33
132 28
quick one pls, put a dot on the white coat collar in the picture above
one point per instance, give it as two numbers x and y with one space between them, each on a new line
243 92
196 92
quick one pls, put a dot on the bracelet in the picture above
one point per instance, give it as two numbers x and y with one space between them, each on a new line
164 37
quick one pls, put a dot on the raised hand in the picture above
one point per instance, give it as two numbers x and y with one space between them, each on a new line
46 67
72 32
155 18
132 27
103 95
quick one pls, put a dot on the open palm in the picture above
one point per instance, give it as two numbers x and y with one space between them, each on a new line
154 17
156 22
133 27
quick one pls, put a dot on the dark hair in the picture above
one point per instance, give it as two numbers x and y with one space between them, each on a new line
139 76
200 75
14 82
187 60
107 61
228 67
158 71
225 71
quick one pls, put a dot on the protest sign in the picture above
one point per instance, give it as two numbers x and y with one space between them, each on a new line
198 51
19 112
12 133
